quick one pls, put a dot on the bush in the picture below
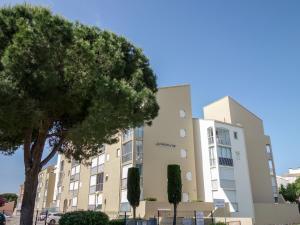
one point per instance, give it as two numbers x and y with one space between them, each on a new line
218 223
117 222
84 218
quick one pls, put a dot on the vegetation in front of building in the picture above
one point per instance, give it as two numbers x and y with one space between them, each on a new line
84 218
133 188
117 222
174 187
291 192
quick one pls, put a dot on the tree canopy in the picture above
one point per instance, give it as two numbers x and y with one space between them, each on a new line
291 192
67 86
68 82
10 197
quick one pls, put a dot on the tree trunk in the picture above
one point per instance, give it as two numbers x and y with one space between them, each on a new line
175 214
30 188
134 209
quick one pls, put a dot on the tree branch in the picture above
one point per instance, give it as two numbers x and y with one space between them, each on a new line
53 152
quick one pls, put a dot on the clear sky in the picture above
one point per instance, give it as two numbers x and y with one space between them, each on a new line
249 50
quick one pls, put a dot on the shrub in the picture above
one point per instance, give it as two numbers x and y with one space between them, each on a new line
84 218
150 199
117 222
218 223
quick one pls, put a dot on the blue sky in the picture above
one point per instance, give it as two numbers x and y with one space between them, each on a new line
249 50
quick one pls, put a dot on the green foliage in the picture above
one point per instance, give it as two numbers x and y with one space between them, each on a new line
133 188
150 199
289 192
174 184
77 83
2 201
218 223
84 218
10 197
117 222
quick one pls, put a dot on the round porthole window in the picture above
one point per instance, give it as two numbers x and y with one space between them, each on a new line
182 133
182 113
189 176
183 153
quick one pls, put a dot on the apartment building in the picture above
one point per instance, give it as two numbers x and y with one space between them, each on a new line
222 165
45 189
257 143
226 155
102 185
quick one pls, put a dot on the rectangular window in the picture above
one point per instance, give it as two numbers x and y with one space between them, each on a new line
93 180
235 134
212 158
94 162
127 151
99 185
139 150
139 132
223 136
74 202
210 135
101 159
225 156
92 199
214 184
127 135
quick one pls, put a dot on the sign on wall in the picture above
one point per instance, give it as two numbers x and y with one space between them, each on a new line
219 203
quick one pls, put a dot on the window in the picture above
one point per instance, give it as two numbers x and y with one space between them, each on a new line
118 152
92 199
268 149
106 177
127 151
96 182
223 137
182 132
139 132
74 201
182 113
189 176
139 150
183 153
210 135
94 162
185 197
225 156
127 135
107 157
235 134
212 158
214 185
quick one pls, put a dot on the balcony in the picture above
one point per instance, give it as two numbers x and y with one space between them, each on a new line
225 161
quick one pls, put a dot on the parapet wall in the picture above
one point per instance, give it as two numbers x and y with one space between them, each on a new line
275 214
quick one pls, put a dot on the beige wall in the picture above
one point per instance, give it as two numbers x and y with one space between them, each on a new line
228 110
276 214
166 129
45 189
111 189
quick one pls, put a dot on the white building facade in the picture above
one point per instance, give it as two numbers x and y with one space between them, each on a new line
221 161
